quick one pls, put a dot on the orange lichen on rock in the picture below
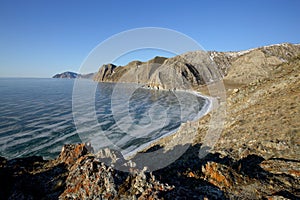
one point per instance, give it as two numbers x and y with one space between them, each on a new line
71 153
190 174
294 173
214 175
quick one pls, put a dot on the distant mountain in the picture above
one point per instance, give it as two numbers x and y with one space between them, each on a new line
69 75
73 75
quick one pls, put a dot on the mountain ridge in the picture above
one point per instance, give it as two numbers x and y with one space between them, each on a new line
180 72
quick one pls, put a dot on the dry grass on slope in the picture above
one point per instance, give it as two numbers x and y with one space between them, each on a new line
263 117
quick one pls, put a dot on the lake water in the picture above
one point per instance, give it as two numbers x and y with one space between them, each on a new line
38 116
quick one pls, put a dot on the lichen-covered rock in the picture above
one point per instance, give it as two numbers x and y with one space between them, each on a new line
90 179
110 157
282 167
217 174
93 176
141 185
212 177
70 153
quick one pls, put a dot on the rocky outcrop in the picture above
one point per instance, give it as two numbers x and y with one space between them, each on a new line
133 72
186 71
251 176
75 174
105 72
80 174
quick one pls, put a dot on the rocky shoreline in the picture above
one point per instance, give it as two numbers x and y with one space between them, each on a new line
256 157
79 174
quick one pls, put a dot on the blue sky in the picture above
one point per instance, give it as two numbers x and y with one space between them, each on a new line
41 38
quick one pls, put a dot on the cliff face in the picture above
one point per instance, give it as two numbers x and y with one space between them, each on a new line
185 71
105 72
198 68
135 71
179 72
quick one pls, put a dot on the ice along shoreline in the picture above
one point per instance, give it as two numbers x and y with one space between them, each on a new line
208 106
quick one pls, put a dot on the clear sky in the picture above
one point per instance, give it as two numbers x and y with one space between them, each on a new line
40 38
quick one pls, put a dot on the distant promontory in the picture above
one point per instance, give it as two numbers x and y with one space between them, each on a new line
73 75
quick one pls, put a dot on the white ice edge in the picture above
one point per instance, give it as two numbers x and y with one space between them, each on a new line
207 107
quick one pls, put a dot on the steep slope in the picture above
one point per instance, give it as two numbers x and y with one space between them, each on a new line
135 71
258 151
259 63
193 69
105 73
185 71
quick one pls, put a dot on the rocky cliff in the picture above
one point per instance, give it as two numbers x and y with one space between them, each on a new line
194 69
181 72
135 71
76 174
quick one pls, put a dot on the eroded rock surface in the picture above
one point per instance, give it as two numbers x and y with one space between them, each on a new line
87 177
193 69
